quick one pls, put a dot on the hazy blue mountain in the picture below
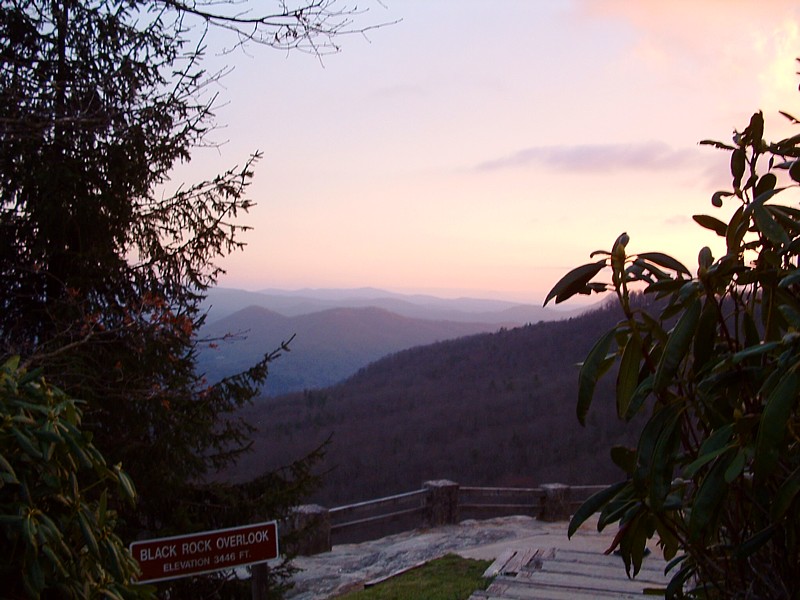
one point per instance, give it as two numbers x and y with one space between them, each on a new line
223 302
329 345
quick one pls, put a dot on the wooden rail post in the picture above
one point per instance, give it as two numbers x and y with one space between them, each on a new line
259 582
442 502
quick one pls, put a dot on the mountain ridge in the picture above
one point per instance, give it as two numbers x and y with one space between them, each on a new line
221 302
327 346
489 409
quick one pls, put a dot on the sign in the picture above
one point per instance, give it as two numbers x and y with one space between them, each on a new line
185 555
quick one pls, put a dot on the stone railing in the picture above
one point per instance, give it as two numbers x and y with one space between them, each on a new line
440 502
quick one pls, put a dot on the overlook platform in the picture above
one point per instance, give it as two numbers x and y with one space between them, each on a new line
556 567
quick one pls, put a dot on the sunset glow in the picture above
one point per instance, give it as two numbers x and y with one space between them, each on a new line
477 150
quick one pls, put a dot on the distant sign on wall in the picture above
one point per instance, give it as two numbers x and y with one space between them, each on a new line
185 555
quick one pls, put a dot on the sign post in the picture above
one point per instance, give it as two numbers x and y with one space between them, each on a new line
206 552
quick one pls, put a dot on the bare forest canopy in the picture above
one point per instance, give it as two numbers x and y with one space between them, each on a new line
488 409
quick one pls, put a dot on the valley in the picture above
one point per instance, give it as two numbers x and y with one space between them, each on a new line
485 409
337 332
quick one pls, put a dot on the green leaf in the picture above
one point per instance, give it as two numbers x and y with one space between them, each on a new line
772 429
737 227
705 457
791 315
717 439
660 424
755 542
794 171
788 116
716 199
53 533
665 286
31 376
6 466
690 289
677 346
54 560
639 396
757 350
705 259
126 484
769 226
593 504
29 532
10 521
752 337
737 166
674 562
26 444
573 282
711 223
628 373
624 458
791 279
675 585
618 507
762 198
790 223
765 183
666 527
102 509
709 497
716 144
78 451
11 364
663 458
591 370
114 561
665 261
736 467
785 495
706 334
633 543
88 533
754 132
35 578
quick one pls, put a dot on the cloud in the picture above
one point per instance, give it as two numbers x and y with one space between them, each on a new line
717 42
647 156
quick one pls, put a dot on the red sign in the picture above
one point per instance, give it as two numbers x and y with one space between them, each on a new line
205 552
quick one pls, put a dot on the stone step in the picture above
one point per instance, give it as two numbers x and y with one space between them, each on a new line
610 567
527 574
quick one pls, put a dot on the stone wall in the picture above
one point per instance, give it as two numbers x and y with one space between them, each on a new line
437 503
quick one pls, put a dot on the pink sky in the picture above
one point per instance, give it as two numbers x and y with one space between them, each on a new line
484 149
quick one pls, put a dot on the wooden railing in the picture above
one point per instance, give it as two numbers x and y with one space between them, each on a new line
440 502
377 518
488 502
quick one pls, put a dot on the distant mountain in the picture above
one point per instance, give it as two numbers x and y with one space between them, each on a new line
328 346
489 409
222 302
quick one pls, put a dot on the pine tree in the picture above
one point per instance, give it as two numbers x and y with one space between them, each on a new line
100 276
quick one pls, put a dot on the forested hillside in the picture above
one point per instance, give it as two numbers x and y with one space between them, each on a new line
489 409
328 346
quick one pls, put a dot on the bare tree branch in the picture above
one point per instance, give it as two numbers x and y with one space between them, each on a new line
309 26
